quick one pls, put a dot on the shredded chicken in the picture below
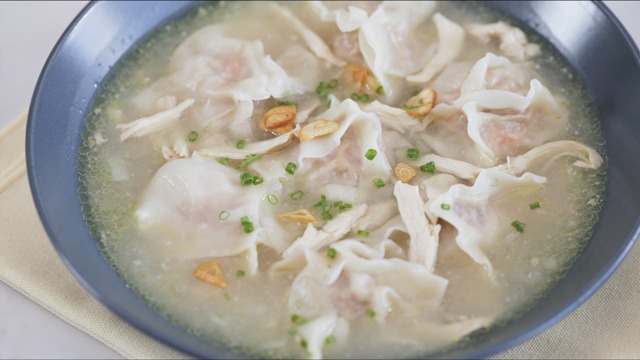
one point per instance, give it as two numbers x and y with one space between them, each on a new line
153 123
423 243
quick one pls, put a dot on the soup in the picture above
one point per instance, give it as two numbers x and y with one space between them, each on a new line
341 179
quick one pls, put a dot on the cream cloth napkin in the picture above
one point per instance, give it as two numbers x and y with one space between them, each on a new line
606 326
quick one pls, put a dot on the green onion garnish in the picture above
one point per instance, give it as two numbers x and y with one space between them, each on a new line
429 167
297 195
224 215
364 233
323 88
410 107
240 144
331 253
519 226
415 93
246 179
379 183
322 202
344 207
445 207
227 296
287 103
297 319
224 160
257 180
413 154
240 273
246 224
272 199
330 339
292 331
291 168
370 313
362 98
370 154
535 205
380 90
192 136
249 160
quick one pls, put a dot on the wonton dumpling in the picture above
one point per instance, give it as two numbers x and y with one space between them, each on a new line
180 210
450 43
502 117
388 40
358 130
360 278
480 212
347 19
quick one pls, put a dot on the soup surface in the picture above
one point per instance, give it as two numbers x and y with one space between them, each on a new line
364 179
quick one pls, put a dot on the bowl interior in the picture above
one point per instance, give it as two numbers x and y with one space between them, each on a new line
593 43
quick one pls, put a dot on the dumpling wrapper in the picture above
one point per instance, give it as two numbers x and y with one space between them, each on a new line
472 209
368 135
180 209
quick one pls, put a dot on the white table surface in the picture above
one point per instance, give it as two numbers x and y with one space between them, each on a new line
28 32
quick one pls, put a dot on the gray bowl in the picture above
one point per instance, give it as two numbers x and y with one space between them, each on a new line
587 34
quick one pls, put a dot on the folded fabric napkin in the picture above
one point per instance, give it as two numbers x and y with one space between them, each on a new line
606 326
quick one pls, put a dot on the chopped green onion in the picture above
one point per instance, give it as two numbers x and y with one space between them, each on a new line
287 103
330 339
292 331
413 154
329 104
535 205
519 226
445 207
326 215
371 154
272 199
240 273
246 224
331 253
249 160
291 168
380 90
323 88
257 180
297 195
370 313
303 343
322 202
297 319
246 179
344 207
362 98
192 136
224 160
429 167
240 144
379 183
227 296
224 215
364 233
410 107
415 93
